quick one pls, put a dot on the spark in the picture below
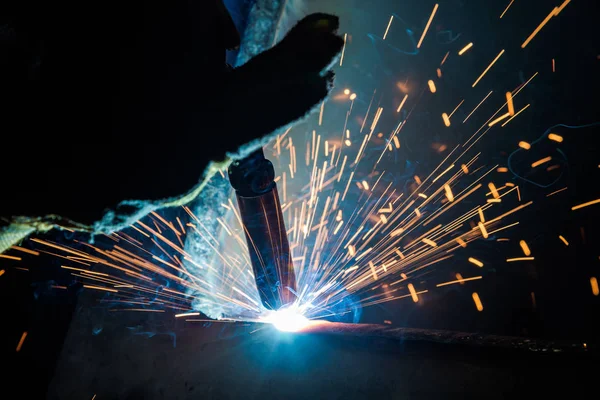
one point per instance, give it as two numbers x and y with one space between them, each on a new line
506 9
353 96
439 73
493 190
459 280
431 85
465 49
388 27
413 293
555 137
589 203
100 288
509 102
343 49
24 250
7 257
594 284
402 103
488 68
20 344
540 162
477 301
449 194
427 26
475 109
553 65
189 314
446 119
2 272
525 248
502 169
555 11
500 118
524 145
484 232
556 191
518 112
519 259
563 240
476 262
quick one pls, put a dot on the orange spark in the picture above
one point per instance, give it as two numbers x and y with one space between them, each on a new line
464 49
519 259
506 9
6 256
430 242
563 240
431 85
488 68
525 248
555 11
100 288
413 293
477 301
553 65
589 203
502 169
524 145
594 284
555 137
480 103
427 26
461 242
439 73
476 262
500 118
481 217
540 162
446 119
2 272
483 230
494 191
449 194
509 102
23 336
24 250
460 280
464 168
518 112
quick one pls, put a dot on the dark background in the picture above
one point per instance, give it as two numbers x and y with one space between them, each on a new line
559 277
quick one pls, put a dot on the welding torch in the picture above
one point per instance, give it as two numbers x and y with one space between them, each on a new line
253 179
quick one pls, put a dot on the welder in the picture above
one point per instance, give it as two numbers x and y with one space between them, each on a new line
129 106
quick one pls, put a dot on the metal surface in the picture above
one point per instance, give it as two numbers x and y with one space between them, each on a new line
264 227
135 355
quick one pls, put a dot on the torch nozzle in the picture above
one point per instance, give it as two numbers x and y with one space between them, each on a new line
253 179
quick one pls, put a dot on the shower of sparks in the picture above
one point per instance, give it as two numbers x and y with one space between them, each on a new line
427 26
354 231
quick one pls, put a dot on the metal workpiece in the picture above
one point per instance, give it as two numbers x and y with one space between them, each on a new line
253 179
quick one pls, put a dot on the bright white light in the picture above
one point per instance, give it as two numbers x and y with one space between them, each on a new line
287 319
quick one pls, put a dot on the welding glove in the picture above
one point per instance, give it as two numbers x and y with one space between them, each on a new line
129 106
